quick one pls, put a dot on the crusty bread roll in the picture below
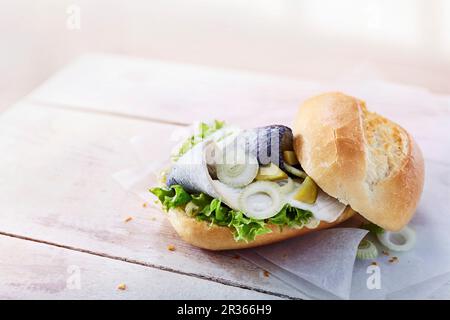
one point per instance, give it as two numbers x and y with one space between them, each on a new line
212 237
360 158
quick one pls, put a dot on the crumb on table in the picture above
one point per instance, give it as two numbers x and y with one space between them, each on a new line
122 286
171 247
128 219
145 205
266 273
393 260
384 252
374 263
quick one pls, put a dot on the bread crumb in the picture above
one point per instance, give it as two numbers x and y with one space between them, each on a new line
128 219
385 253
171 247
393 260
122 286
374 263
266 273
145 205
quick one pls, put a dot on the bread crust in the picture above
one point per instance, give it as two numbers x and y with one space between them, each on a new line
213 237
331 143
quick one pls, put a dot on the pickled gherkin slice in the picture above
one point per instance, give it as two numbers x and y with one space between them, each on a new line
290 157
271 172
307 192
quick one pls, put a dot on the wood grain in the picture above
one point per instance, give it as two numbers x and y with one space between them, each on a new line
60 148
38 271
183 93
56 185
179 93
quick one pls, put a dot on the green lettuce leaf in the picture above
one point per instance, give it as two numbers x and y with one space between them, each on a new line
201 200
172 197
246 229
204 131
291 217
215 212
373 228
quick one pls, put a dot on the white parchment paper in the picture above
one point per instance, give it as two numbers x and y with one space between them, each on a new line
319 264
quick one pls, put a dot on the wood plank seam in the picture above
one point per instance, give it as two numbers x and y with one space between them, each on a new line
99 145
102 112
150 265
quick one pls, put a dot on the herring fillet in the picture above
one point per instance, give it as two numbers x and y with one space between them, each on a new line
191 170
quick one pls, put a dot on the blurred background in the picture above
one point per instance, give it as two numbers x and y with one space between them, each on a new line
405 41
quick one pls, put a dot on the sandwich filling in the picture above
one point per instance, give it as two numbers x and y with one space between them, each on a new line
244 180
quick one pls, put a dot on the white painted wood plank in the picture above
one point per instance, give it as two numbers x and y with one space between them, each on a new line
173 92
185 93
442 293
56 185
38 271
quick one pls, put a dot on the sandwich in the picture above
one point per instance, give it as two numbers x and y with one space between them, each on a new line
229 188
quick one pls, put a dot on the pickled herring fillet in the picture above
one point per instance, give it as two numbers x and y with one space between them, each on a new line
191 171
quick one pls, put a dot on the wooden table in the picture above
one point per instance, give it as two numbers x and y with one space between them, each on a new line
63 231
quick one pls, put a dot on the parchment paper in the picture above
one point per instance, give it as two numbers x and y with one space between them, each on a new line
319 264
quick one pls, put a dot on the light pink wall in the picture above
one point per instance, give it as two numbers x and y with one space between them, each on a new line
405 40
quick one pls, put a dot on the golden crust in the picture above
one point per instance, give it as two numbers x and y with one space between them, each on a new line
360 158
202 234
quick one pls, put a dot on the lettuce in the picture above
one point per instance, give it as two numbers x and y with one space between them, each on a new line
172 197
291 217
204 131
373 228
215 212
201 200
245 229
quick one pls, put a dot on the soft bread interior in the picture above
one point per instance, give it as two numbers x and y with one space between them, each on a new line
386 147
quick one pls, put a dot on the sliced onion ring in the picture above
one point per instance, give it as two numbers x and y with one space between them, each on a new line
407 235
286 186
295 171
256 209
237 168
313 223
191 209
366 250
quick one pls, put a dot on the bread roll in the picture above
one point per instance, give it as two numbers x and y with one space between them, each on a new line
212 237
359 157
